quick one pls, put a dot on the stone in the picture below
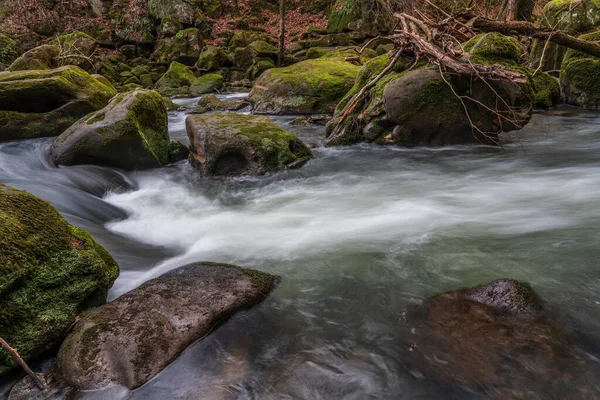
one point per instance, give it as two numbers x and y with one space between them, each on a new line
130 340
169 27
37 104
230 144
259 66
38 58
262 49
498 342
75 45
213 58
179 10
579 77
50 271
184 47
213 103
9 51
308 87
180 81
547 91
131 132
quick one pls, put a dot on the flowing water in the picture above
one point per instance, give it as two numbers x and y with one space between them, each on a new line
357 235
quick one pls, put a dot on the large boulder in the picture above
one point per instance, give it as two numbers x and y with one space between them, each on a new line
184 47
570 16
179 10
37 104
229 144
180 81
131 339
76 48
38 58
498 339
213 58
50 271
131 132
9 51
409 107
308 87
579 77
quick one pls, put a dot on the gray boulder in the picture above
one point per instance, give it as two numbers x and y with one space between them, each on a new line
229 144
130 133
131 339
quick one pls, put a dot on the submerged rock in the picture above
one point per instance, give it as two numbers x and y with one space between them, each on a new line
128 341
497 338
37 104
580 77
50 271
308 87
130 133
228 144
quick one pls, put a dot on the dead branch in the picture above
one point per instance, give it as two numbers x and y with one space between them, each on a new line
14 354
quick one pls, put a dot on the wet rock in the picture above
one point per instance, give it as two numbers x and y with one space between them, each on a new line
50 271
128 341
497 339
130 133
228 144
213 103
308 87
45 103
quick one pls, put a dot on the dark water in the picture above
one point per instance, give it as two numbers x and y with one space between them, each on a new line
357 235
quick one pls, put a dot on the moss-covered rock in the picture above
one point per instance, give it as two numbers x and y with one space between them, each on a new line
570 16
184 47
213 103
130 133
73 46
418 107
38 58
244 38
308 87
180 81
45 103
140 30
259 66
130 340
263 49
169 27
213 58
580 77
179 10
343 12
340 52
50 272
228 144
547 91
9 51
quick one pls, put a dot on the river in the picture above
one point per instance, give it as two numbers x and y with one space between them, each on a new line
357 235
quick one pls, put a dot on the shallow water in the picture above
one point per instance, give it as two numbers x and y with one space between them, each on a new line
357 234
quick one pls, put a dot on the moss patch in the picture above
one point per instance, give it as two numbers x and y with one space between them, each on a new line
50 271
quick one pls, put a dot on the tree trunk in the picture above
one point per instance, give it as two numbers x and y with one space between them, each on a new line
281 33
511 10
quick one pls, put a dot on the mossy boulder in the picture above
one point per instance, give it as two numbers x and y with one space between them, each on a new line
244 38
571 16
259 66
169 27
213 58
213 103
179 10
547 91
45 103
38 58
184 47
130 340
9 51
229 144
343 12
75 45
212 8
308 87
180 81
140 30
262 49
419 107
50 272
580 77
130 133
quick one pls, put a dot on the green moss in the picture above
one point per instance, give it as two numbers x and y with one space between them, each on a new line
579 76
342 13
213 58
8 51
49 271
261 281
207 83
572 16
494 48
547 91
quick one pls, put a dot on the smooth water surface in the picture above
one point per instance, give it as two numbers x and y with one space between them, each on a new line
356 235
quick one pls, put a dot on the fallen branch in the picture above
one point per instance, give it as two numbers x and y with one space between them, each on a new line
17 358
